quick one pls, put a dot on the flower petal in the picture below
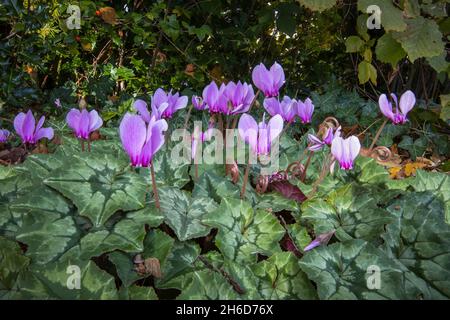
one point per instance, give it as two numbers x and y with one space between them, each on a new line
44 133
133 134
272 106
354 147
73 120
18 123
95 122
28 127
275 126
385 107
248 130
407 101
141 107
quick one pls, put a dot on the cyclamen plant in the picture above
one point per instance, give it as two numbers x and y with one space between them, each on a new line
83 123
25 126
141 141
4 135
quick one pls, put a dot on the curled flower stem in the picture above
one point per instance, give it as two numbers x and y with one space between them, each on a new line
378 134
155 189
244 184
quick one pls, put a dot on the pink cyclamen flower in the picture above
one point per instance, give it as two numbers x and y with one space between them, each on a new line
305 110
317 144
141 140
83 122
4 135
287 108
215 98
407 102
240 97
345 151
198 103
58 103
260 136
163 105
268 81
321 239
26 128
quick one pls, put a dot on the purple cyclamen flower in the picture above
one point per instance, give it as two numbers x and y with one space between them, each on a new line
26 128
287 108
141 140
163 105
407 102
215 98
58 103
345 151
83 123
198 103
268 81
4 134
240 97
317 144
260 136
305 110
321 239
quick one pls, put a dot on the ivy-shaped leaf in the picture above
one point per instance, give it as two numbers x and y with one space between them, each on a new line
342 271
280 277
350 210
99 185
420 240
185 214
244 232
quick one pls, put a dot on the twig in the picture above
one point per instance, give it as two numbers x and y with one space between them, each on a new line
378 134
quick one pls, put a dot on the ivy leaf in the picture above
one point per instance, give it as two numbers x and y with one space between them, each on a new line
421 241
342 270
370 171
280 277
243 232
99 185
421 38
185 214
439 63
388 50
415 148
350 210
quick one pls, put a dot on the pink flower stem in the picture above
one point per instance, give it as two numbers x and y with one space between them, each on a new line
244 185
82 145
155 189
89 145
253 102
308 161
325 167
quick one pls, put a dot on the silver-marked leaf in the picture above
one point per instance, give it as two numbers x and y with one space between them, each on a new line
420 241
346 271
350 210
280 277
185 214
99 185
216 187
244 232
